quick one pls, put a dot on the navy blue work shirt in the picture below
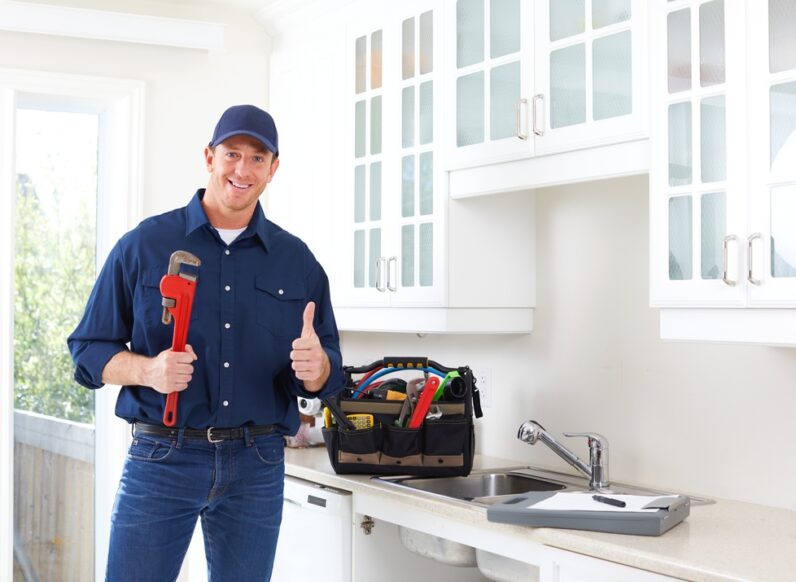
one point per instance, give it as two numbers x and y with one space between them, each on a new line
247 310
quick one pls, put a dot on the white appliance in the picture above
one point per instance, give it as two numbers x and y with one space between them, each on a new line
315 538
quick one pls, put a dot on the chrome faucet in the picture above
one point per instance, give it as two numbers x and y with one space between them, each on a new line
597 469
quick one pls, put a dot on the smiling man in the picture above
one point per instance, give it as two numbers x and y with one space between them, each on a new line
262 332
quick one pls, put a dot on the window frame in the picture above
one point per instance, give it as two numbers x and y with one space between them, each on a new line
120 106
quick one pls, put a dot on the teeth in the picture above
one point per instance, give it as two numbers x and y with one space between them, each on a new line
243 186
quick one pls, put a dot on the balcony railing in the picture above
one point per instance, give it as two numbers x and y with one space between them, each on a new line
53 499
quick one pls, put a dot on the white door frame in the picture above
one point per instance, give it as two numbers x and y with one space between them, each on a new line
120 106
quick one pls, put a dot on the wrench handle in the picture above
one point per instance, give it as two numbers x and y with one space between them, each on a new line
181 290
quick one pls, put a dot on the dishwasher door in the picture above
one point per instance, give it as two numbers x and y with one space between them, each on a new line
315 537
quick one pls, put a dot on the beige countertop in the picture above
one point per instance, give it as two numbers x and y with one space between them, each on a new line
723 541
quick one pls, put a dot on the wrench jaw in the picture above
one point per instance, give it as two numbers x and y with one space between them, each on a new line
176 261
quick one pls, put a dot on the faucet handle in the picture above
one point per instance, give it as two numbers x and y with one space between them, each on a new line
598 458
600 441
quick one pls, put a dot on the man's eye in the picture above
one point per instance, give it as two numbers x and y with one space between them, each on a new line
259 159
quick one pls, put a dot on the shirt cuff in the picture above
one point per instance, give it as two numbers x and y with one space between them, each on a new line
91 363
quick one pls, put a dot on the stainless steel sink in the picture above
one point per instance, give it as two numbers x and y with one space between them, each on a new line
485 487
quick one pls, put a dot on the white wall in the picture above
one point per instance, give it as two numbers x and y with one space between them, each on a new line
706 419
186 89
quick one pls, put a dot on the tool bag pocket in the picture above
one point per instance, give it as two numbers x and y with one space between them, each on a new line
443 445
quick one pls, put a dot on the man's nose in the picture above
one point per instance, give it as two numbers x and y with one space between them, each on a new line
243 167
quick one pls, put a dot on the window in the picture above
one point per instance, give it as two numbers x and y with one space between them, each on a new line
62 139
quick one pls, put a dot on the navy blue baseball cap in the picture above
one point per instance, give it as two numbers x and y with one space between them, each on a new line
247 120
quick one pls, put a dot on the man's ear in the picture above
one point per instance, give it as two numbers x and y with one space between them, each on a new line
209 157
274 166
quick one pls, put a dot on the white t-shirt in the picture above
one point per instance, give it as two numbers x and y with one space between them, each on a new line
228 235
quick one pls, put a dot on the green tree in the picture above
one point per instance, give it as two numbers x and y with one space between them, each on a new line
53 275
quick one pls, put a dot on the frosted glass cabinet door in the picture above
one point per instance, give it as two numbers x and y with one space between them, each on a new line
773 178
590 64
490 73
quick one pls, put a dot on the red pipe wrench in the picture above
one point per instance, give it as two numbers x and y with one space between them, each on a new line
177 288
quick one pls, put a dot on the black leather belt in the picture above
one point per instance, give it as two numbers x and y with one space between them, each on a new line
212 434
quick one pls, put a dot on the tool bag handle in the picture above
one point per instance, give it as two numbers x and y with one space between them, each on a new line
405 362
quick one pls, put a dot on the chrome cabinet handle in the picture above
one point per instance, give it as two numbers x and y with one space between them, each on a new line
538 98
518 112
391 287
380 274
750 258
727 280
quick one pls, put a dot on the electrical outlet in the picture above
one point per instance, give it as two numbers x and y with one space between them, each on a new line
483 380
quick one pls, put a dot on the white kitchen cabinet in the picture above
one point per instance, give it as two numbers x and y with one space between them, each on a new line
723 170
394 240
535 78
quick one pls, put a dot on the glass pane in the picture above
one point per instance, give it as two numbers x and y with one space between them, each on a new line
375 253
408 186
408 255
359 258
359 129
680 238
426 254
680 158
605 12
375 191
469 32
504 87
427 112
679 41
359 85
470 109
711 43
504 27
783 130
613 76
359 193
567 18
568 86
714 229
408 116
54 432
408 38
783 231
714 139
426 42
426 183
375 60
781 24
375 125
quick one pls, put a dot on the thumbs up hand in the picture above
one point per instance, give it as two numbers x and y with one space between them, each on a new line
310 362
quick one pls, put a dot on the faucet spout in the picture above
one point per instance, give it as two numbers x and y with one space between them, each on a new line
597 470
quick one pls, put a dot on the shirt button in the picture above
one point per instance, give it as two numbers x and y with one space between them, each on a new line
226 403
227 325
227 287
226 364
226 251
281 292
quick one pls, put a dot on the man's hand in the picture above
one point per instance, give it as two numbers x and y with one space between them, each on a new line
310 362
169 371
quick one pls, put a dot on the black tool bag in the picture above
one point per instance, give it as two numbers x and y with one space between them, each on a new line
443 445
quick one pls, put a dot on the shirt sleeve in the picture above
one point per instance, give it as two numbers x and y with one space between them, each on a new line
106 326
326 329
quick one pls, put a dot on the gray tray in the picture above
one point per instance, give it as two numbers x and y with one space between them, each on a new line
519 510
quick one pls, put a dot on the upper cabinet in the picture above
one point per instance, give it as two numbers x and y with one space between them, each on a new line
723 170
529 79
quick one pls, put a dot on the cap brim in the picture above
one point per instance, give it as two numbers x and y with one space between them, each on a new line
259 137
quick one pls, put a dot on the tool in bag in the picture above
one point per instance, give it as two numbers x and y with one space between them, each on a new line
177 288
428 432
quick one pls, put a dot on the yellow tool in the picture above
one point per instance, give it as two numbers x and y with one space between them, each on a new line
361 421
395 395
327 417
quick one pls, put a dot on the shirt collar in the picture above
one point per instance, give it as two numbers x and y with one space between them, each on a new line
196 217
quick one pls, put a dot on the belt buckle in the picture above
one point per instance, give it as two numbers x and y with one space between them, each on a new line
210 438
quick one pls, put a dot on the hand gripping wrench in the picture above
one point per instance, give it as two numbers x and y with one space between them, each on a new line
177 289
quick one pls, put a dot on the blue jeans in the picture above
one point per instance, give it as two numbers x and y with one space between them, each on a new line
235 486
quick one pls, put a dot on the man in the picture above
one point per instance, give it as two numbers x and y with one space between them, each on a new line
262 332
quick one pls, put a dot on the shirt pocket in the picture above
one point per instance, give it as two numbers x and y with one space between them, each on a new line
280 305
152 300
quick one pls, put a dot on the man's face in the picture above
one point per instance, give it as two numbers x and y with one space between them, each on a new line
240 169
